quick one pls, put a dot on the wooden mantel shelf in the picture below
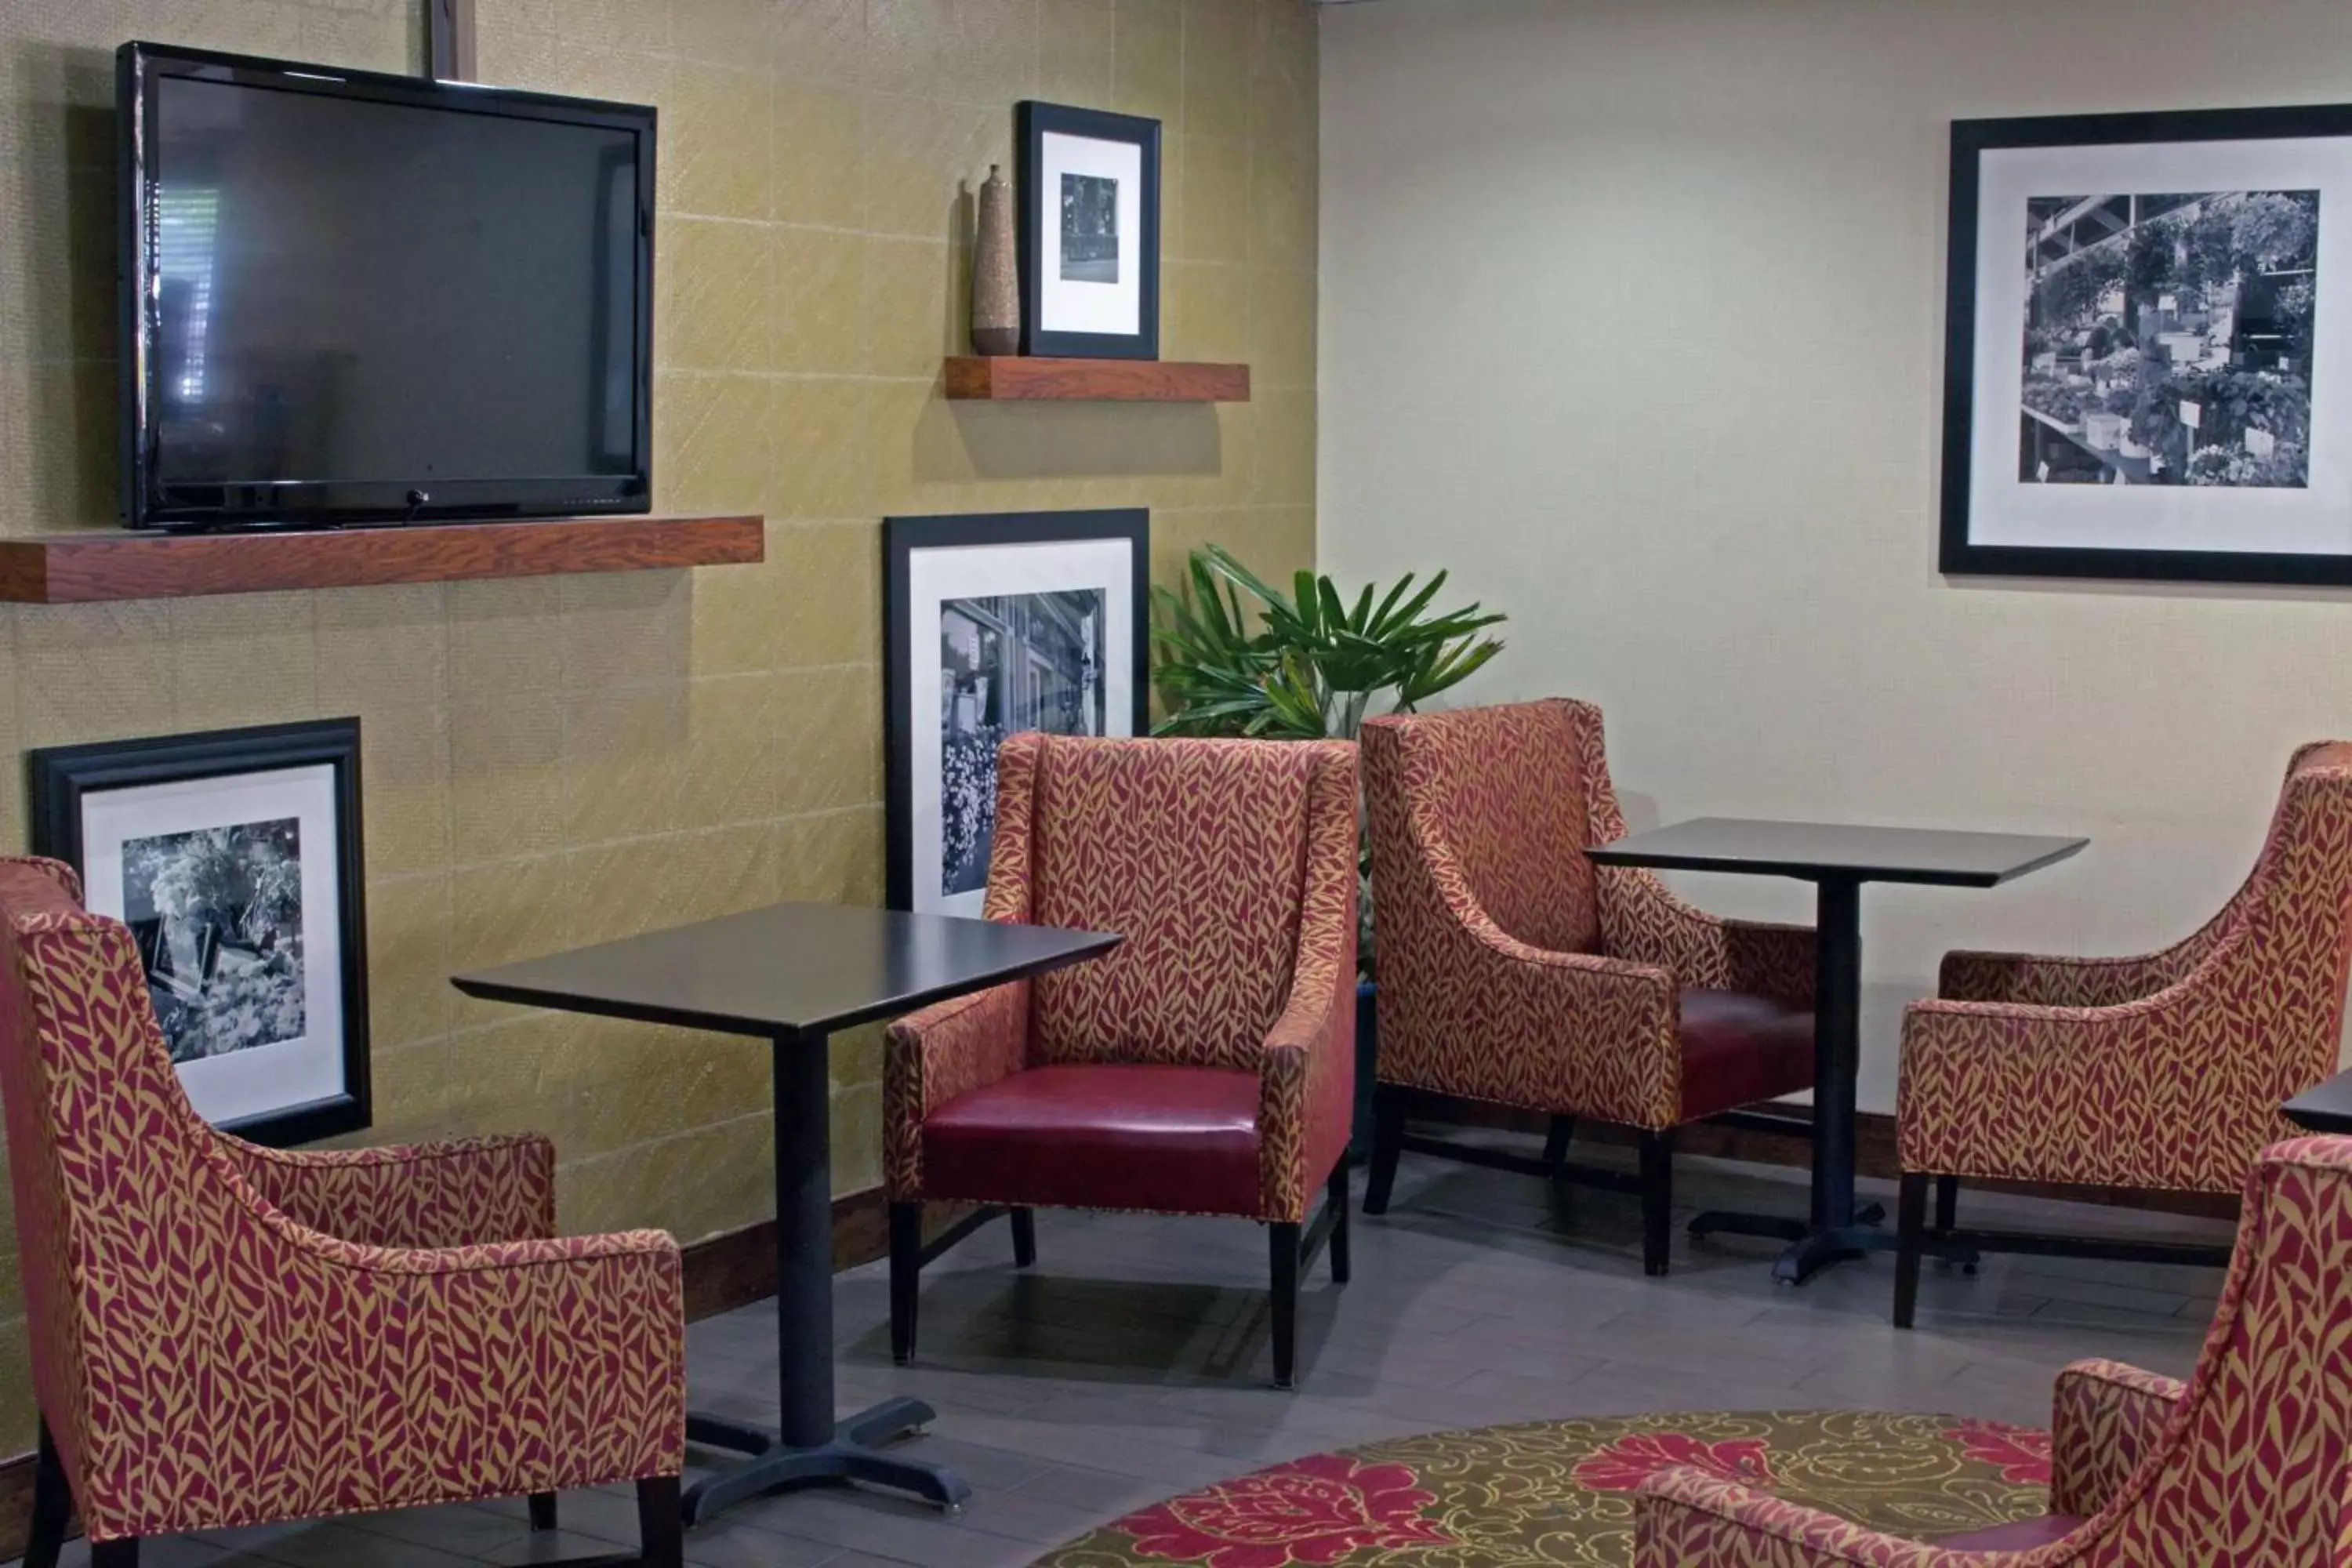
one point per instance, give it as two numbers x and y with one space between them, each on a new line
1012 378
96 565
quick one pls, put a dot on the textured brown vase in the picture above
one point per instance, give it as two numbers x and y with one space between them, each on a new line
995 281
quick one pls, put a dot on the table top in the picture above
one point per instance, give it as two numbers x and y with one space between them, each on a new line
1822 851
2328 1108
787 969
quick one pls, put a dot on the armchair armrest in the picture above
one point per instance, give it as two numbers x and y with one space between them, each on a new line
452 1193
1307 1087
930 1057
2106 1419
1689 1519
1643 921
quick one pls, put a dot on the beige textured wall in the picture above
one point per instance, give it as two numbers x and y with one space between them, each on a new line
1632 316
565 760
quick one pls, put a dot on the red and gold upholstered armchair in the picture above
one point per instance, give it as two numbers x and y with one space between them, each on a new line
2165 1071
1515 971
227 1335
1206 1065
2244 1467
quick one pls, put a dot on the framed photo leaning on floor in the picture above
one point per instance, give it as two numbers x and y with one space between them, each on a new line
2149 346
1089 241
234 857
992 625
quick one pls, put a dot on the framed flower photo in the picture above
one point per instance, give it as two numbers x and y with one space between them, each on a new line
1089 233
2149 346
234 857
994 624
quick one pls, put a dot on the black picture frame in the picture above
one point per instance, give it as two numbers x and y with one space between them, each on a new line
1033 122
1959 554
62 779
903 538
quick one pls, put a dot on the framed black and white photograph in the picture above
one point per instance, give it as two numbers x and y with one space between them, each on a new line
993 624
1089 240
234 857
2149 346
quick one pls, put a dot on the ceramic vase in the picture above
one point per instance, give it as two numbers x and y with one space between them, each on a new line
995 280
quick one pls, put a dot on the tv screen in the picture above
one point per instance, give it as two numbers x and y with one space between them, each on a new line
354 297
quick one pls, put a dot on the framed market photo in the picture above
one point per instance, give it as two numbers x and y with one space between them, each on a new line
992 625
235 857
1089 232
2149 346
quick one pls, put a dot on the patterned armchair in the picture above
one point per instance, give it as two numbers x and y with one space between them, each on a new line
2163 1071
2244 1466
1515 971
227 1335
1205 1066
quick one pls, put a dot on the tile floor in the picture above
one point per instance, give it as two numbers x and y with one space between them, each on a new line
1132 1362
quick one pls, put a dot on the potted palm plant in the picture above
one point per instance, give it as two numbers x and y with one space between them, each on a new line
1238 657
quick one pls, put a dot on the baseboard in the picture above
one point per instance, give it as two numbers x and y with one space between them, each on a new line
722 1272
1873 1155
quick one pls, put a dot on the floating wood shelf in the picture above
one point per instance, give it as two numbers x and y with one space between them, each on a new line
1009 378
94 564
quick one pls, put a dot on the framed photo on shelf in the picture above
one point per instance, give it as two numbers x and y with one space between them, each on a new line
993 624
2147 365
234 857
1089 239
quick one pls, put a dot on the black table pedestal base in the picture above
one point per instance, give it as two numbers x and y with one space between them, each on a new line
855 1454
1812 1248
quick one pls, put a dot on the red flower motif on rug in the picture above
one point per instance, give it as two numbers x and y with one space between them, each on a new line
1631 1460
2020 1452
1316 1510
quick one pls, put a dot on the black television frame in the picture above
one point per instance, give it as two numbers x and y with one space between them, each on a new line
278 504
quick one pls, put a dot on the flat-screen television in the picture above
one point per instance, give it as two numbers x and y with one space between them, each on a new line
350 296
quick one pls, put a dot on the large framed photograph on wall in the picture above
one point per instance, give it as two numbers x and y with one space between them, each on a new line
1089 238
2149 346
234 857
992 625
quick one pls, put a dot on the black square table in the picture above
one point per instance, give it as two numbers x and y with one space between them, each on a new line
2323 1108
792 975
1837 860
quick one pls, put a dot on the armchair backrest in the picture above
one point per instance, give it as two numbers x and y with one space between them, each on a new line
2286 938
1196 852
1508 798
102 1153
2250 1472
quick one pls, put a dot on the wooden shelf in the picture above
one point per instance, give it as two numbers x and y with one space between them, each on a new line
1011 378
95 565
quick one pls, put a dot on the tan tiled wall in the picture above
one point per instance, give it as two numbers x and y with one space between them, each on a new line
561 760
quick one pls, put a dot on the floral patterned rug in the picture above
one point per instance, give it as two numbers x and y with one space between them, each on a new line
1559 1492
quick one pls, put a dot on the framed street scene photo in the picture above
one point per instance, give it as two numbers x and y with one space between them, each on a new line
234 858
1089 240
2149 347
993 624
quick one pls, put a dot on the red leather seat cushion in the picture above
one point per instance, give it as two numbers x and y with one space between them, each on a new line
2022 1536
1180 1139
1739 1047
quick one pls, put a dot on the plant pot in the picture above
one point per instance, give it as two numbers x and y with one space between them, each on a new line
1368 1061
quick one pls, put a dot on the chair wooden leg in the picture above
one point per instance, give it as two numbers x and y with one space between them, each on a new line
1335 1197
542 1510
1948 1204
1657 1200
661 1528
1556 1139
52 1504
1388 1146
1024 1238
1282 1244
1910 1221
906 1276
123 1553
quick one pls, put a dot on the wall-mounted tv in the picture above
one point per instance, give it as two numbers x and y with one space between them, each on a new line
350 296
